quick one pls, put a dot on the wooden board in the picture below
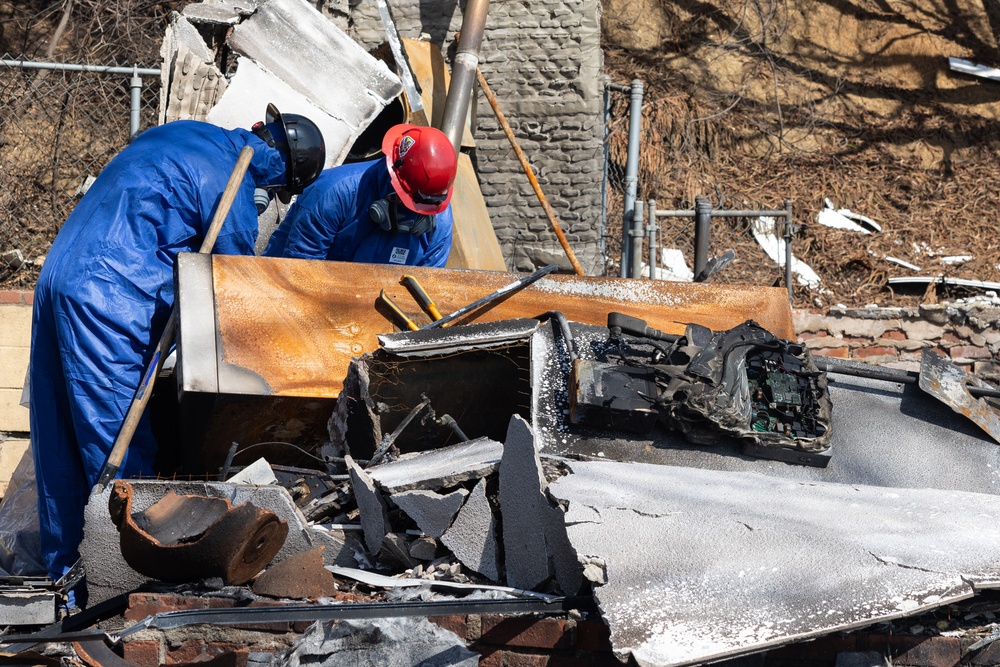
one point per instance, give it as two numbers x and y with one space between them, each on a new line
289 327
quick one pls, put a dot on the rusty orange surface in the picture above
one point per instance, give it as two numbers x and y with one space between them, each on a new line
297 323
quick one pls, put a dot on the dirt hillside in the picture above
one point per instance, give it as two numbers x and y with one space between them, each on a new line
853 101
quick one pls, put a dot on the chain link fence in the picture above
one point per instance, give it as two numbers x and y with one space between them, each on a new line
60 124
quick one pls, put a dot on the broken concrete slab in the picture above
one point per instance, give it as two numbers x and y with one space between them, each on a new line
259 472
391 642
535 542
439 468
472 536
431 511
704 564
109 575
370 504
522 503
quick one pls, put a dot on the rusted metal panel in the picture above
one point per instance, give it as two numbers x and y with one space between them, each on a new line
941 378
289 327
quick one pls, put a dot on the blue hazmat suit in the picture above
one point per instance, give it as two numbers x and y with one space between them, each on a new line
329 220
103 298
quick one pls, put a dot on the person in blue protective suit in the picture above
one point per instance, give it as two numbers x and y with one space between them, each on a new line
106 291
387 211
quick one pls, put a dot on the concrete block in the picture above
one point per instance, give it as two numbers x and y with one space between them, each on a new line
11 452
472 536
27 607
109 575
370 504
521 505
15 326
536 545
13 416
432 512
13 364
439 468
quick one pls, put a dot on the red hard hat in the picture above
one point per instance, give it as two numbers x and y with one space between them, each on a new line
422 165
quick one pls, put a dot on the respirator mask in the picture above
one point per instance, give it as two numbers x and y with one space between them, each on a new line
390 215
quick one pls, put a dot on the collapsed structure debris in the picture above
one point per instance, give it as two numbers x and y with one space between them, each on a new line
188 538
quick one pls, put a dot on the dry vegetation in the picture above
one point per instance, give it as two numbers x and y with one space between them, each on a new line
57 128
766 101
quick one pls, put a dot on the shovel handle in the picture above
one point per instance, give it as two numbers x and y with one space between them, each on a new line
145 389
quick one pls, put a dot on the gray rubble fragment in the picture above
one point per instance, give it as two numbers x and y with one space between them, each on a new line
535 543
439 468
259 472
396 549
472 536
370 504
431 511
388 642
424 548
522 503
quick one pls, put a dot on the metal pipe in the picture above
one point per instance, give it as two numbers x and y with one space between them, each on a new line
135 90
651 229
463 71
631 172
702 228
604 181
637 233
788 247
66 67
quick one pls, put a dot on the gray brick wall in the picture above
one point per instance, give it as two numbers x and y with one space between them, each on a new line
543 61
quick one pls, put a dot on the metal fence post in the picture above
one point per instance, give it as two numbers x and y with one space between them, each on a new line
788 247
631 173
702 229
651 229
604 179
637 233
135 99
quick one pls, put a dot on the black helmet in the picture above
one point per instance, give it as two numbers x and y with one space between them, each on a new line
302 142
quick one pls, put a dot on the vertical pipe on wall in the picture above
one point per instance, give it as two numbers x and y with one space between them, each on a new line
463 72
789 230
637 233
631 173
651 229
702 228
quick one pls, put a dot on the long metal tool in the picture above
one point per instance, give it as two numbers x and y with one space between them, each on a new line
145 390
403 65
505 291
857 369
530 173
